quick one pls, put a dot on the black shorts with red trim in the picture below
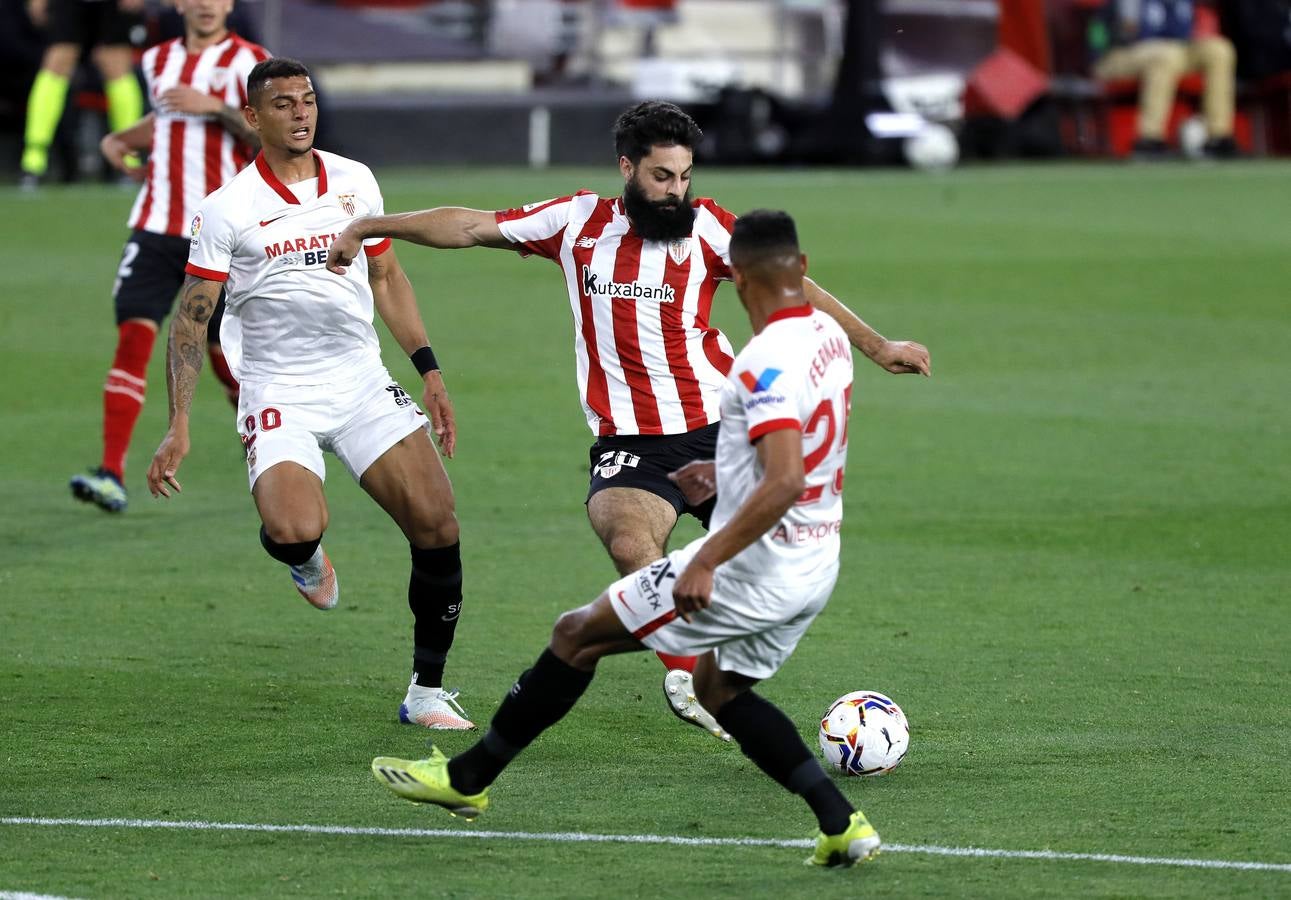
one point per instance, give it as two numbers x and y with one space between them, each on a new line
644 461
93 24
149 276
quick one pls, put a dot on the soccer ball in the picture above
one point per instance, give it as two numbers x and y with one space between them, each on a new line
864 733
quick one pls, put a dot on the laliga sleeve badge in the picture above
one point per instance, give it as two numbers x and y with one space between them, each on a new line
196 228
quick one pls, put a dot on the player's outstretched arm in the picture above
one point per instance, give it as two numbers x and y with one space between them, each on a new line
900 357
184 352
444 228
397 305
780 453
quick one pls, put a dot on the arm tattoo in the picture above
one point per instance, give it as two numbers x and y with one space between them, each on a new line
187 339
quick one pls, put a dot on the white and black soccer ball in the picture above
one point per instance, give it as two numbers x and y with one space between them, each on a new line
864 733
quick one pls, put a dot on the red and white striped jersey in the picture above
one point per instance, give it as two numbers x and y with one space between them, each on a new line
191 156
648 360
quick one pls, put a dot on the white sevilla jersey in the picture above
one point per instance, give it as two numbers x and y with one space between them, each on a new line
648 360
796 373
287 319
191 156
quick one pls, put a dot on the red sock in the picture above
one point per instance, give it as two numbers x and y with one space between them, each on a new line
221 369
124 391
671 662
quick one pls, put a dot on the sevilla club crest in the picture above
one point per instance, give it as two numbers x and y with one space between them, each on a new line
347 203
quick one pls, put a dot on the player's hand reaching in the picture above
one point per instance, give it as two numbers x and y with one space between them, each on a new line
165 462
343 251
697 480
904 358
440 409
693 589
119 155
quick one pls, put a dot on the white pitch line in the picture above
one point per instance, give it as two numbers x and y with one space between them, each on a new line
579 837
23 895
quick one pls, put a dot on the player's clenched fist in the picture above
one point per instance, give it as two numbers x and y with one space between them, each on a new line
693 589
343 251
165 463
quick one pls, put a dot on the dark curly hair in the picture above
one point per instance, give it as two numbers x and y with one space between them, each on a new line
650 124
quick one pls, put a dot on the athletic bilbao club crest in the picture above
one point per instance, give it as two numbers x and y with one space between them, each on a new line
679 250
347 203
219 80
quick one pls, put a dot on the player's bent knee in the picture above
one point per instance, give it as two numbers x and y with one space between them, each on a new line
631 551
436 530
569 639
294 532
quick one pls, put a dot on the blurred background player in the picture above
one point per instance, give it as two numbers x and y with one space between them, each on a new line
1154 41
196 140
744 594
104 28
301 343
641 269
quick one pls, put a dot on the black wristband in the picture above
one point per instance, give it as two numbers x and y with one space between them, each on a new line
424 360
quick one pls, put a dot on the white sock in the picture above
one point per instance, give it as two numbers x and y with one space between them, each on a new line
420 692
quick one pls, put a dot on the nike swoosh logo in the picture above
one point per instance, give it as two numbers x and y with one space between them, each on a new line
271 221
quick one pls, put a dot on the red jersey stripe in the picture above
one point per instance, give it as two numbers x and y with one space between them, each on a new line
175 212
598 390
627 268
719 358
677 275
378 249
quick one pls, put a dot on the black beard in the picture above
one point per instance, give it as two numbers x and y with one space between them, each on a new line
663 220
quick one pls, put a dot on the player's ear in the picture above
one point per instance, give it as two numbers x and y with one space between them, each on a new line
250 117
626 167
802 259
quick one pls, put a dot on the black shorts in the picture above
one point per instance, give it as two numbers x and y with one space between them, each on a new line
92 23
644 461
150 275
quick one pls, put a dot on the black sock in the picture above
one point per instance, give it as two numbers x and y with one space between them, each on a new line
767 737
435 598
539 699
291 554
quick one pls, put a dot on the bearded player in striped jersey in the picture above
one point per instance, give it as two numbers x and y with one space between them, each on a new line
641 271
196 140
744 594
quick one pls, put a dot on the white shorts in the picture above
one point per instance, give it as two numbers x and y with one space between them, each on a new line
751 628
358 420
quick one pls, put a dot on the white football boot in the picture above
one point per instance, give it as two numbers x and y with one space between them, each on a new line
433 708
316 580
679 690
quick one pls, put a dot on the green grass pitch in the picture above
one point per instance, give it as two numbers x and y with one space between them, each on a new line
1066 556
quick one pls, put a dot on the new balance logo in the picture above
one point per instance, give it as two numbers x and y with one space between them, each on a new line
585 243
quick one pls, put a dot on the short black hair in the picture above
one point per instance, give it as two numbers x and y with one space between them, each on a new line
652 123
273 67
763 234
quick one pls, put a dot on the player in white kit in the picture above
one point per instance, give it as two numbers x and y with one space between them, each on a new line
739 598
301 343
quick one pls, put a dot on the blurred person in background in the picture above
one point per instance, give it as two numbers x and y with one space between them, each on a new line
196 140
1155 42
104 27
